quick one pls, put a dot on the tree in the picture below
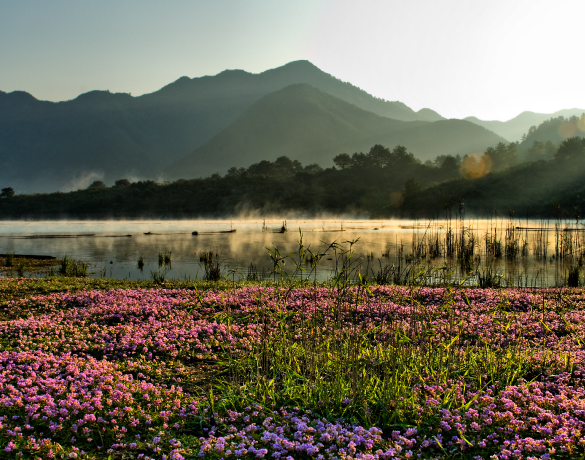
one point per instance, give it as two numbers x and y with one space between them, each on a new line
7 192
122 183
571 149
234 173
97 184
287 167
343 161
379 156
412 188
313 168
502 156
360 160
400 158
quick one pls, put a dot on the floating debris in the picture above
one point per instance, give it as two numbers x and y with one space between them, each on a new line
233 230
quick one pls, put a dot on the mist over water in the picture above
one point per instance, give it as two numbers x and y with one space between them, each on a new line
387 250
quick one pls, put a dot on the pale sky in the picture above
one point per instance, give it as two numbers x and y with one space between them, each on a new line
492 58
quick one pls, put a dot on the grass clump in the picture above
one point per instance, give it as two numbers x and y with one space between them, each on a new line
164 258
10 261
211 266
72 268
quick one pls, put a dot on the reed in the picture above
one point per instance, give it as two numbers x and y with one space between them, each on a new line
211 266
252 273
159 276
10 261
164 258
72 268
21 268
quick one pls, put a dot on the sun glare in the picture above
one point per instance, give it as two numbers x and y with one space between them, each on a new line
567 129
476 165
581 123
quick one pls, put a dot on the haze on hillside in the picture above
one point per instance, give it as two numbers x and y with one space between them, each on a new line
315 127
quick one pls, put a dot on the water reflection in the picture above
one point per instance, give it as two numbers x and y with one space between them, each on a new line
497 251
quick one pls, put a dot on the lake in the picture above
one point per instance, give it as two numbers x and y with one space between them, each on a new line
523 253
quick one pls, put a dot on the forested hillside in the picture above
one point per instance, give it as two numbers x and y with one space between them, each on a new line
380 183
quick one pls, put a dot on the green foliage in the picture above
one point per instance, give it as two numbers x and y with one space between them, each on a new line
572 149
382 183
554 130
7 192
72 268
540 151
122 183
98 184
9 260
503 156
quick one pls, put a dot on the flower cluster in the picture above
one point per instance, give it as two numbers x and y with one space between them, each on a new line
97 373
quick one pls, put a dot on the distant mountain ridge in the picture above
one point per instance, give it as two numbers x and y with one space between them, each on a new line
514 129
101 135
303 72
311 126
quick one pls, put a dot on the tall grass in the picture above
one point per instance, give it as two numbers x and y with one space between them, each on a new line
211 266
164 258
73 268
337 366
10 261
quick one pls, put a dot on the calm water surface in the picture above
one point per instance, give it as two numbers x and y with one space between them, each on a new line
105 246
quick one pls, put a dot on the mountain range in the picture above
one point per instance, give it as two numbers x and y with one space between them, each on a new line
514 129
317 126
198 126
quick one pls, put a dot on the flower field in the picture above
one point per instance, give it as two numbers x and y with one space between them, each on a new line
293 373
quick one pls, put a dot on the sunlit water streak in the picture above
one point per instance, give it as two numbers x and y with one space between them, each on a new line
379 244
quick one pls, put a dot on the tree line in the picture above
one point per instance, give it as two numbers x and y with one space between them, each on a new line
537 180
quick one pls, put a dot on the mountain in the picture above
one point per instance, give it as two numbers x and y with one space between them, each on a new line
513 129
102 135
311 126
45 145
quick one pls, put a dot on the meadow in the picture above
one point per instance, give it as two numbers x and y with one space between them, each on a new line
107 369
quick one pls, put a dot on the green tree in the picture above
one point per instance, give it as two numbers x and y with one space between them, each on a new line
379 156
400 158
7 192
343 161
412 188
97 184
572 149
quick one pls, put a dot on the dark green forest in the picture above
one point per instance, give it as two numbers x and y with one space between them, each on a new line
541 179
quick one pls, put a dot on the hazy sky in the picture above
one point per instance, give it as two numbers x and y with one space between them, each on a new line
490 58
